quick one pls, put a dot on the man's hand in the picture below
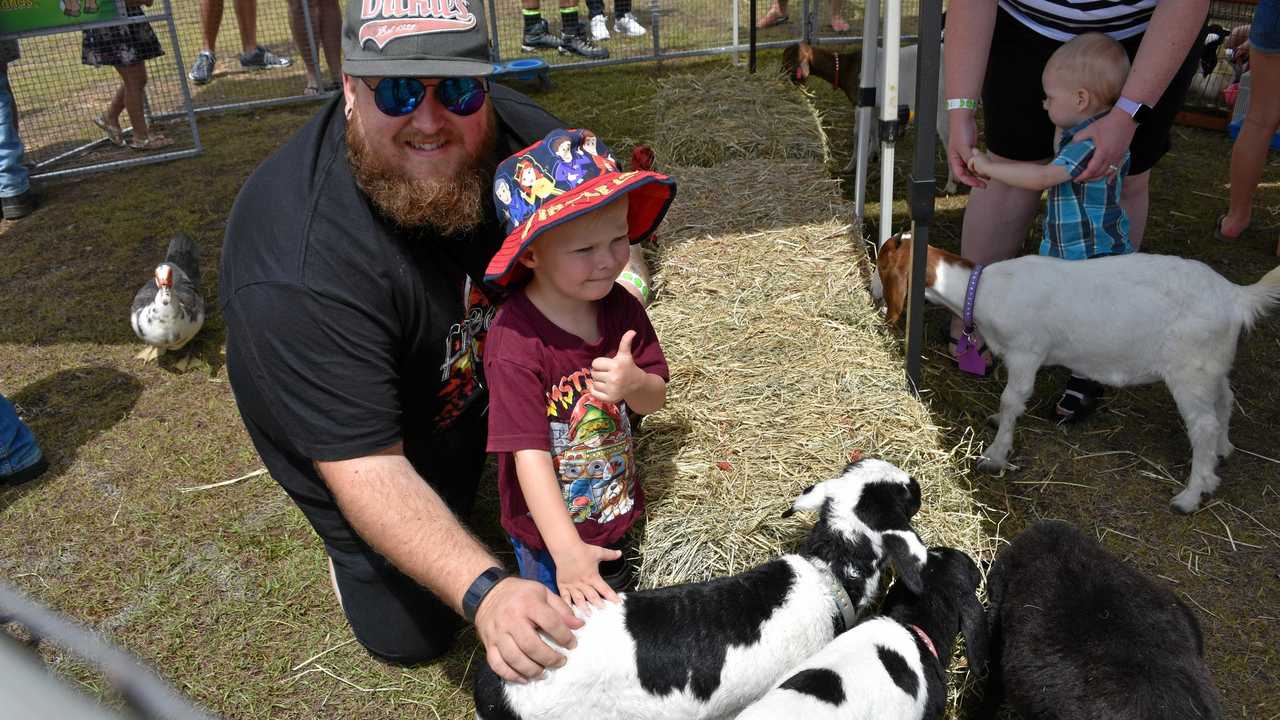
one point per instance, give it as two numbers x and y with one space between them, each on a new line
508 622
578 575
963 137
613 379
1111 136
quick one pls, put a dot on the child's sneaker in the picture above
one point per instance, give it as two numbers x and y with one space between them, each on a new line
628 25
599 29
539 36
262 58
580 44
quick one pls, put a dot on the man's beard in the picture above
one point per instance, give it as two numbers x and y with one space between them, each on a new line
448 205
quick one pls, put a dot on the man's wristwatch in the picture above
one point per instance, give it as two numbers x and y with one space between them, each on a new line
1140 112
479 589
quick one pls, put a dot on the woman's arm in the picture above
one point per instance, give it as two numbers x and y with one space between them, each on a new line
1175 25
970 24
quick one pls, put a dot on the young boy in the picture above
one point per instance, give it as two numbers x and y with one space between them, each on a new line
569 354
1082 80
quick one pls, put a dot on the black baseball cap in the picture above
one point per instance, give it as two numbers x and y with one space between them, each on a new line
415 38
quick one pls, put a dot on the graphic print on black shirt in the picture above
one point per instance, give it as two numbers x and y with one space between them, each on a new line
462 372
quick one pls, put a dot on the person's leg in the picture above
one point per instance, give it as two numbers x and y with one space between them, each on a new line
1135 197
537 31
625 21
132 93
302 34
1249 154
599 25
838 23
14 179
393 617
247 20
777 14
210 22
995 226
20 456
331 37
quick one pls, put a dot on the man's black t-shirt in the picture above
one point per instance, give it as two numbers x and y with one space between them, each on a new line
346 333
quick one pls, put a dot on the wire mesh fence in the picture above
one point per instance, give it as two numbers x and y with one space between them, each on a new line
1210 91
262 52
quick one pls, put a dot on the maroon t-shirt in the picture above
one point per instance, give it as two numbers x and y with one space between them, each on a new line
539 379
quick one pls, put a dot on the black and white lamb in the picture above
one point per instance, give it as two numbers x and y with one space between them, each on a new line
894 666
707 650
1077 633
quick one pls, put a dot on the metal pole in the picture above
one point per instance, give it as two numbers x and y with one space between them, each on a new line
188 105
922 180
736 60
751 54
806 27
656 28
866 106
889 114
141 689
495 53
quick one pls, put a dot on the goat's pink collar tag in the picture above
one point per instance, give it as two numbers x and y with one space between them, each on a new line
968 352
924 639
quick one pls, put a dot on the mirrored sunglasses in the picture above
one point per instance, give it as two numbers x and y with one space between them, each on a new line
398 96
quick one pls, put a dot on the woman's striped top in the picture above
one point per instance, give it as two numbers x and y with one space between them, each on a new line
1064 19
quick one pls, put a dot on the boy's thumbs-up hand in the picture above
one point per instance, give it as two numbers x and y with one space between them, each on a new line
613 378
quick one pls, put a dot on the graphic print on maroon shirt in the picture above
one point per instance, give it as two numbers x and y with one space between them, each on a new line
539 399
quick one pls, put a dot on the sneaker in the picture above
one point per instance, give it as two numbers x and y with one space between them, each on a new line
18 206
262 58
580 44
599 29
539 36
629 26
203 70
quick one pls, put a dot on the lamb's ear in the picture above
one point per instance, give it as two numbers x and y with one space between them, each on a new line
811 499
973 623
908 554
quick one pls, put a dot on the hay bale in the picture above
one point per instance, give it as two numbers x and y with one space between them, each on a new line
706 119
780 366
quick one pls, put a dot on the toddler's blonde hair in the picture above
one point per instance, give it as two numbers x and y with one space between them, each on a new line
1092 61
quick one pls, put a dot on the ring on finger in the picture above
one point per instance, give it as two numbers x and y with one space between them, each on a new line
1113 168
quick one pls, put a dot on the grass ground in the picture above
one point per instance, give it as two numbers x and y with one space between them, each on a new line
224 590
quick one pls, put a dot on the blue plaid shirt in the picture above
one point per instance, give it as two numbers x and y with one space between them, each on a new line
1085 220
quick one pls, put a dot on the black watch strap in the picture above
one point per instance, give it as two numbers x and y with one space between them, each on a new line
480 587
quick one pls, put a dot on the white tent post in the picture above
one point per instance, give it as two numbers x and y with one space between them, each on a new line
889 114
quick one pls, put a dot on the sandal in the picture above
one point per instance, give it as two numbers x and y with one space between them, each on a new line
988 359
772 18
311 89
113 132
154 141
1223 237
1080 398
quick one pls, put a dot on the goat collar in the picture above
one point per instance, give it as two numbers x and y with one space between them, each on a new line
848 613
924 638
836 55
968 351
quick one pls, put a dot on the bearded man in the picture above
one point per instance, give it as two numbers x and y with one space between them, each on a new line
355 319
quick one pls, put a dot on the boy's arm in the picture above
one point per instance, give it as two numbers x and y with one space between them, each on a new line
577 563
618 378
1027 175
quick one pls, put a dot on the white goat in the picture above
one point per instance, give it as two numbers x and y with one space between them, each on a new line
706 650
1123 320
892 667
